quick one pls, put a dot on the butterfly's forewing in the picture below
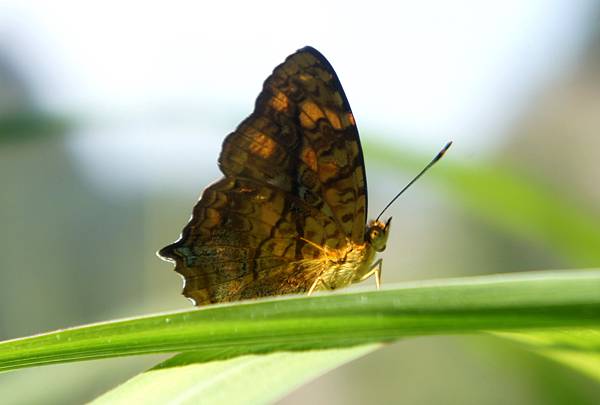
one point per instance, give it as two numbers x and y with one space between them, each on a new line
294 173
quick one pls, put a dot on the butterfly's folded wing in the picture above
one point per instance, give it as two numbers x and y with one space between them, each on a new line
294 180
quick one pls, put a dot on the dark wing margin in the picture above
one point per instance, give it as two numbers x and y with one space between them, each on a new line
346 105
294 172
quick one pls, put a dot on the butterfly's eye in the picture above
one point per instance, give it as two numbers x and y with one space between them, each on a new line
374 234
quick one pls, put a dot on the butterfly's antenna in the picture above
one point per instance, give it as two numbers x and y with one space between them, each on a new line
435 159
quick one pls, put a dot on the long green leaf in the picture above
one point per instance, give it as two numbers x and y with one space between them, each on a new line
246 379
502 302
578 348
193 377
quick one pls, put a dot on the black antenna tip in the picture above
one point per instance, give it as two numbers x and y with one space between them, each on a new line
435 159
442 152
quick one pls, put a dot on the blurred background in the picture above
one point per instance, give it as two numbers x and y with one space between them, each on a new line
111 119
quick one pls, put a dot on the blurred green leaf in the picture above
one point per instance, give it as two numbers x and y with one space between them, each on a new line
245 379
578 348
511 202
30 124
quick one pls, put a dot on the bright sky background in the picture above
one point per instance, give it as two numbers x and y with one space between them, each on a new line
418 72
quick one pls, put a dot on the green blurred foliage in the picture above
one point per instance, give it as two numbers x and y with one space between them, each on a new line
28 125
510 202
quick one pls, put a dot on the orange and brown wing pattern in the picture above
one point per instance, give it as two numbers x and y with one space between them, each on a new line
302 138
294 173
243 242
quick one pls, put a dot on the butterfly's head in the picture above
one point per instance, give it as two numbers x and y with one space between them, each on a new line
377 234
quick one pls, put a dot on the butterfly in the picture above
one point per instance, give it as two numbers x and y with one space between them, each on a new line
289 215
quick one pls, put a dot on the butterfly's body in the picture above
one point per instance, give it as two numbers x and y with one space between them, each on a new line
290 214
352 263
334 268
338 268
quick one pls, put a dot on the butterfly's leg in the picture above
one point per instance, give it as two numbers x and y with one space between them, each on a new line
376 270
316 283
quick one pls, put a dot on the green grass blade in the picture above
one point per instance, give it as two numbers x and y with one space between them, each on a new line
578 348
245 379
187 378
193 377
502 302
